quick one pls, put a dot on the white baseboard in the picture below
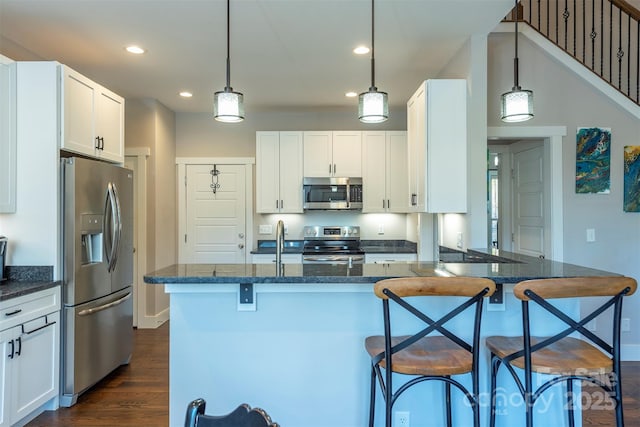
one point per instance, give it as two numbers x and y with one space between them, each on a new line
152 322
630 352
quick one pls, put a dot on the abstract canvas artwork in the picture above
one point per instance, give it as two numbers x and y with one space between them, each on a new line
632 178
593 160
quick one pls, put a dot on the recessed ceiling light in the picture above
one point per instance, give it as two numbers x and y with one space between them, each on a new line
137 50
361 50
351 94
186 94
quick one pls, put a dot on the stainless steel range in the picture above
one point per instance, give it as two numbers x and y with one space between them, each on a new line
332 244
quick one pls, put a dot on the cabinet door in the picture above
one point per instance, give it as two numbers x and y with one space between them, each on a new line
5 378
8 159
109 125
397 177
267 172
318 154
374 171
347 153
290 182
34 378
416 123
78 113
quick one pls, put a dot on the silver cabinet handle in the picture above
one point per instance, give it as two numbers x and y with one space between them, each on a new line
89 311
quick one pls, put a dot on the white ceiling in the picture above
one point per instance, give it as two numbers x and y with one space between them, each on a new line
285 54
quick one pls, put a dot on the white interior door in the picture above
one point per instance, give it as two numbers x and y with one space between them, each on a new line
530 205
215 220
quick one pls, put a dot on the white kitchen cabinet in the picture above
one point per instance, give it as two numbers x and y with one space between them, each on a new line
8 145
30 342
92 118
271 258
279 172
333 154
386 258
384 167
437 147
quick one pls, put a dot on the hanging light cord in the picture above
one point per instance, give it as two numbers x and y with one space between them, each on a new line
373 59
228 87
516 83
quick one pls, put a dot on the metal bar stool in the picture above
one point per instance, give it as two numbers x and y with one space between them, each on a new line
242 416
565 357
432 353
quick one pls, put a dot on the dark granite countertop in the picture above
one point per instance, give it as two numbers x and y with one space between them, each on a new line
523 268
24 280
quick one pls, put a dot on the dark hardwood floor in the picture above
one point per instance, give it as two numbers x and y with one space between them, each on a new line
138 394
133 395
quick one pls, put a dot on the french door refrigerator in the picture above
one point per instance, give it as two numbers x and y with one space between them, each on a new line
98 273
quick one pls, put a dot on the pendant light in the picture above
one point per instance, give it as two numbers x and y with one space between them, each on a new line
516 105
373 106
228 105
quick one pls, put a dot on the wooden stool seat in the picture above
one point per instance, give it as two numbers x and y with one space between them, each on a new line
569 355
435 355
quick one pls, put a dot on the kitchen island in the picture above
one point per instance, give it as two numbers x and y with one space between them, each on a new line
290 340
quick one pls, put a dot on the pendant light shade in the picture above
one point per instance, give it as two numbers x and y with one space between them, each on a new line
373 106
228 106
517 104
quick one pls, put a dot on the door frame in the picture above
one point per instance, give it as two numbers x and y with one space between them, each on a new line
139 156
182 163
552 137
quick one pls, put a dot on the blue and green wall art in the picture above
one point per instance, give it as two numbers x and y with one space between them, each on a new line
632 178
593 160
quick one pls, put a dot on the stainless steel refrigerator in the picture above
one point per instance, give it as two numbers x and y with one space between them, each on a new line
98 273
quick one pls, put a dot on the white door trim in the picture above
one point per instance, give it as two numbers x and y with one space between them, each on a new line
182 163
140 155
552 136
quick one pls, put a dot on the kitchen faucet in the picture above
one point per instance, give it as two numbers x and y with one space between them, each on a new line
279 242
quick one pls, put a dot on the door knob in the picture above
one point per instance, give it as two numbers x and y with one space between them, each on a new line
241 245
241 235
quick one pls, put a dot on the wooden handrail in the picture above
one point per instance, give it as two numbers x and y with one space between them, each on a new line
627 8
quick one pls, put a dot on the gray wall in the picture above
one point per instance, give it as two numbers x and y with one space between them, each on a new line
562 99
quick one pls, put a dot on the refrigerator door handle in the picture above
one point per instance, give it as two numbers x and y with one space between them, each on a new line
118 225
106 306
110 240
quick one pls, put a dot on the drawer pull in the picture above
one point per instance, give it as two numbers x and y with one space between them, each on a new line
46 325
13 312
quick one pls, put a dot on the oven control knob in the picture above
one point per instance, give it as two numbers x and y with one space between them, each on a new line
355 231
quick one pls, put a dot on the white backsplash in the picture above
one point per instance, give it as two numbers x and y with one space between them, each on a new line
383 226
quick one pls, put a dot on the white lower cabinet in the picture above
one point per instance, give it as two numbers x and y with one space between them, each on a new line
270 258
30 344
389 257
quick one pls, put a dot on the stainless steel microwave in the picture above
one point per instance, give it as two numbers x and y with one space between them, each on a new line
332 193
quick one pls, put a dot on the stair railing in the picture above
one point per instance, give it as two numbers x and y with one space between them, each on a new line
604 35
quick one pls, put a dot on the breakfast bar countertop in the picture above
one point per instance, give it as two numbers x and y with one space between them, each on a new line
509 268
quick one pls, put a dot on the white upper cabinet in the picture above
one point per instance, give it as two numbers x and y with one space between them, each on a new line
92 118
8 144
279 172
384 164
437 147
333 154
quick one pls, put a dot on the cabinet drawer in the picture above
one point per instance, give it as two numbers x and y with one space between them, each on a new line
24 308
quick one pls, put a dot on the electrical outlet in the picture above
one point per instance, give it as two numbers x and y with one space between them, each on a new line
381 229
591 235
625 325
460 240
265 229
401 419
